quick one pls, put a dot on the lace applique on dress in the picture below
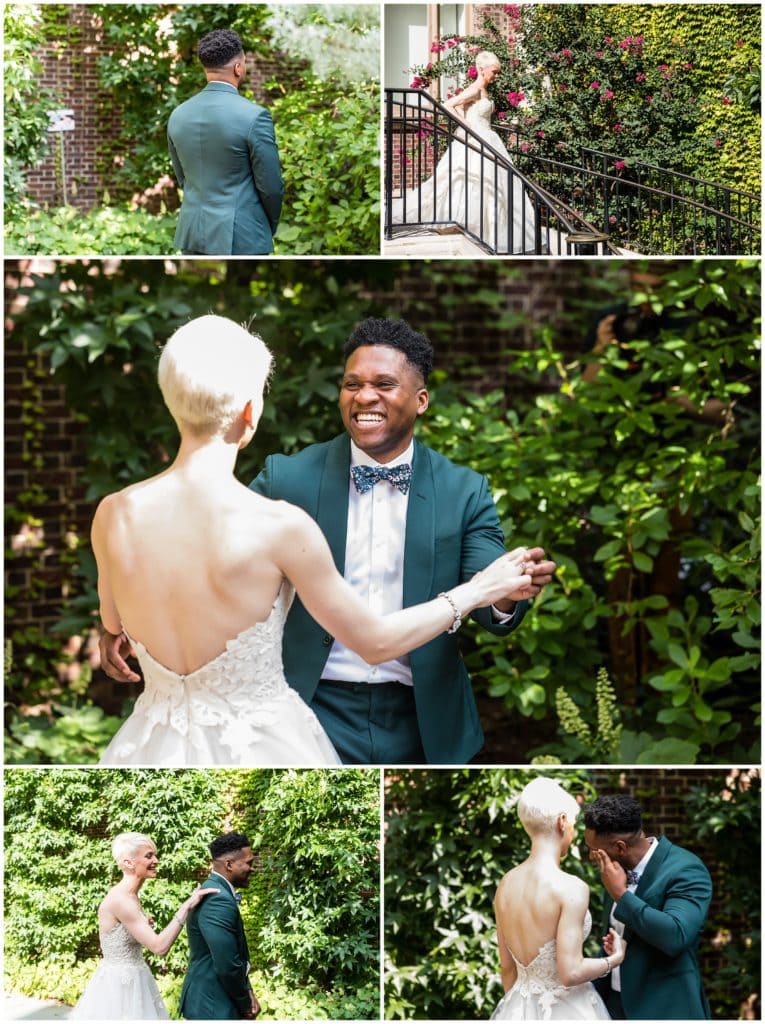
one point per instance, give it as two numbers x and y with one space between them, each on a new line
539 994
236 709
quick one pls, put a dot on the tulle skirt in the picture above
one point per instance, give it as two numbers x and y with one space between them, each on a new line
535 1002
121 992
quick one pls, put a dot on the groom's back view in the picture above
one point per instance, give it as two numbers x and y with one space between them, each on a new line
225 159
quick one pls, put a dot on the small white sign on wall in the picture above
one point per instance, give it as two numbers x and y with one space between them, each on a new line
61 120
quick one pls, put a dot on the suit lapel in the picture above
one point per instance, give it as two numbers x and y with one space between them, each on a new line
332 509
420 530
653 866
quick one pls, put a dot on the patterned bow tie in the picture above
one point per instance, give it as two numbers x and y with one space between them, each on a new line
365 477
632 877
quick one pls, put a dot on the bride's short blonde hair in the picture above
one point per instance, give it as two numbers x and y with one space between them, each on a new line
541 804
128 843
208 371
487 59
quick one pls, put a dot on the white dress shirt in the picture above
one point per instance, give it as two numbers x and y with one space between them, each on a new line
374 567
618 926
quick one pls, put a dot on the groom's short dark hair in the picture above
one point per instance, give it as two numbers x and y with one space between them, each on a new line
416 348
612 814
231 842
219 47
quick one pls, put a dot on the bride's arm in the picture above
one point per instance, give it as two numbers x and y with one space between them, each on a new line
304 557
507 967
98 531
468 95
126 911
574 968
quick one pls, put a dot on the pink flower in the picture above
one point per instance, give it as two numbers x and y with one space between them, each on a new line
563 88
618 165
663 67
540 135
608 94
514 98
618 128
598 53
649 99
513 10
472 72
608 40
594 85
502 115
726 101
641 77
739 42
452 42
718 142
687 67
525 147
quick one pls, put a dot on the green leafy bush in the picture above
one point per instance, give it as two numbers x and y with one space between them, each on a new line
107 231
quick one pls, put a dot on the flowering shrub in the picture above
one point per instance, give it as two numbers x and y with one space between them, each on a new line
572 75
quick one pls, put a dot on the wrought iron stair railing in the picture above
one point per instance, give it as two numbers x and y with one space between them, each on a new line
646 208
472 186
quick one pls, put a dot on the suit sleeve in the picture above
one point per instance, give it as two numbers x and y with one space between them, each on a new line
177 168
677 926
265 166
262 482
482 542
219 926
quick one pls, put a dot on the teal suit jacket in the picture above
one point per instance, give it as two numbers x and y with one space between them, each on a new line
225 159
452 531
663 919
216 985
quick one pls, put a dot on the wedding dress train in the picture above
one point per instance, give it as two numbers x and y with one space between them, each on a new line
472 182
539 994
122 987
238 709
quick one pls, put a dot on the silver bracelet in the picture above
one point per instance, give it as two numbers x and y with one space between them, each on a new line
457 617
608 967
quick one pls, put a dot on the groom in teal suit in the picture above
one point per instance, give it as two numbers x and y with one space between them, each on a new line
659 900
224 154
216 986
403 524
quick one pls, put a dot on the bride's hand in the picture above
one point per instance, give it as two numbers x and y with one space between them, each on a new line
198 895
615 947
505 578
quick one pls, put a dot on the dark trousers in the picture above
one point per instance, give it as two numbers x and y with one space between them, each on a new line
370 723
614 1006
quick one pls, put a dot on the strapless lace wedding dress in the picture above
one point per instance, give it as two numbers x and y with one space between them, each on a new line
473 192
238 709
122 987
539 994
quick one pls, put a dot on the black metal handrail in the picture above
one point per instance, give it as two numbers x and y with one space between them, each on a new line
543 223
648 208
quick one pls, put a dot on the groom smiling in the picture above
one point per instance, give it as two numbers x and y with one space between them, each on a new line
404 524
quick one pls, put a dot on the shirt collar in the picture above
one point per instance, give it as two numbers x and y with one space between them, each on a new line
233 890
641 866
360 458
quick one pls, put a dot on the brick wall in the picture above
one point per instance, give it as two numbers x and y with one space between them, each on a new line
70 70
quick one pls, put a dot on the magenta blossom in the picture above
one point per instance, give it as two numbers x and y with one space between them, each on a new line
598 53
514 98
608 40
540 135
472 72
618 128
718 142
608 94
525 147
594 85
687 67
513 10
562 88
726 101
649 99
619 165
502 115
641 77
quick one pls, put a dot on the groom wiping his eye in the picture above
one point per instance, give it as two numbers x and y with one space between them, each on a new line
404 524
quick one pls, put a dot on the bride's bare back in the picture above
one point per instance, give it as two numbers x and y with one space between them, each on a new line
188 567
528 907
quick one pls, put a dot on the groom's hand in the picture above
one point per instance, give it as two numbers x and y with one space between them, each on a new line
612 874
114 648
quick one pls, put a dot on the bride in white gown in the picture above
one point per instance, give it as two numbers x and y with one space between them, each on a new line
122 987
472 179
543 920
193 571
